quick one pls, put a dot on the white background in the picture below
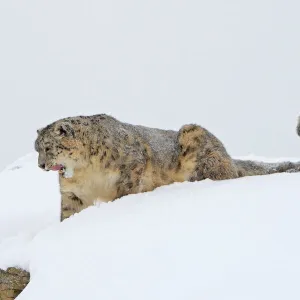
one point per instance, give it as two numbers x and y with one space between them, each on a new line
232 66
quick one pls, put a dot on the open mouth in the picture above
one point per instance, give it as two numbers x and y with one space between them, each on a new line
63 170
57 168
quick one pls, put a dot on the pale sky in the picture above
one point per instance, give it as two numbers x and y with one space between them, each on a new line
231 66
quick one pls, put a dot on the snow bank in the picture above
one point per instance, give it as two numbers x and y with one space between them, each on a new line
29 202
30 198
234 239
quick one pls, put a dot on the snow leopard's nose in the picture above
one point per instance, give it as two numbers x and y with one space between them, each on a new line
42 166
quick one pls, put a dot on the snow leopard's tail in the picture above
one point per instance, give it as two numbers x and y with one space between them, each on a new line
252 168
249 167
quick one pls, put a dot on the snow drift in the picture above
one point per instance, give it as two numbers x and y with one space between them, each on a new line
233 239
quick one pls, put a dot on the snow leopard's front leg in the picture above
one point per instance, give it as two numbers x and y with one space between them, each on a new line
70 204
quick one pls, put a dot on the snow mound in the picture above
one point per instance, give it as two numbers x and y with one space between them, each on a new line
233 239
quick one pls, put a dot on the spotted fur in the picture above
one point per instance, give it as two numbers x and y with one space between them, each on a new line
110 159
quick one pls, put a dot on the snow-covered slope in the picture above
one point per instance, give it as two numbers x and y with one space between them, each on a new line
235 239
29 197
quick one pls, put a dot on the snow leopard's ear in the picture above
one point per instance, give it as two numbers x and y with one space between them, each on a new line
64 129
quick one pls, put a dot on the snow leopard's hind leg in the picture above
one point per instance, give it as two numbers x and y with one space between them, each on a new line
204 155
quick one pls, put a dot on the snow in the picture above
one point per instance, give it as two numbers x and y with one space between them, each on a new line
25 196
233 239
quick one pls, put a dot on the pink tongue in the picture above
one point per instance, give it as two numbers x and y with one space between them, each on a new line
57 167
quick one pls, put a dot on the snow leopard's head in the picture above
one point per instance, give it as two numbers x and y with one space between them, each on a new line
59 146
